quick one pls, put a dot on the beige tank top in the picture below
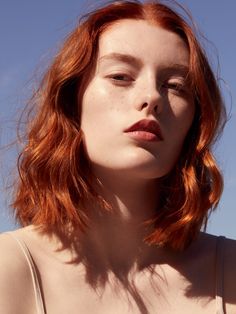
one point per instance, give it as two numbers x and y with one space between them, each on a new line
37 290
218 284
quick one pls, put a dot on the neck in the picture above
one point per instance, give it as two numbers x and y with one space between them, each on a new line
115 237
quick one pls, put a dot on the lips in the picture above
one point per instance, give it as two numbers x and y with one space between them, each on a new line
146 126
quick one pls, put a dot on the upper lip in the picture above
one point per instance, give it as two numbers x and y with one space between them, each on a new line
148 125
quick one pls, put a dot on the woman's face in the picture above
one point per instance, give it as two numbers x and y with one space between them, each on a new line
137 106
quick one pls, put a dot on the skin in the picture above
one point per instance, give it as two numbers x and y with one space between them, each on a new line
122 91
110 269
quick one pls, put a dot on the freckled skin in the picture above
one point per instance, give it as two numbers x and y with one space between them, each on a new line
113 100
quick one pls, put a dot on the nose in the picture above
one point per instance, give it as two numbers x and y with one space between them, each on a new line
150 99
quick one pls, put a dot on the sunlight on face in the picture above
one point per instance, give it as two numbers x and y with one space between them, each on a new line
140 74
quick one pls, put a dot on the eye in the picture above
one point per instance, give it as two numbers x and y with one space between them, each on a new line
121 79
175 87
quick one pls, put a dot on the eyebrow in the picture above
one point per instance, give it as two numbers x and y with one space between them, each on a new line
178 68
126 58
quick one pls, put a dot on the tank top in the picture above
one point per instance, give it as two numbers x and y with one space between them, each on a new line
219 281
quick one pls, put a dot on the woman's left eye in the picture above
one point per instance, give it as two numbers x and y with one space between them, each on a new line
175 86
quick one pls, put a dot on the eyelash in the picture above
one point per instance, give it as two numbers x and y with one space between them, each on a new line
121 79
178 88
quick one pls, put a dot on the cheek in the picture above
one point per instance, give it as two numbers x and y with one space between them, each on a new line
180 119
91 108
183 114
100 113
102 107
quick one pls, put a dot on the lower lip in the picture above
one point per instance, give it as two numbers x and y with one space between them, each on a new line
143 136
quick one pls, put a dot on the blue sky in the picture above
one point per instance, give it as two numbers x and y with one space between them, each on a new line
31 32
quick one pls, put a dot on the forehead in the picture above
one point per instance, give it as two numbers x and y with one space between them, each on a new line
148 42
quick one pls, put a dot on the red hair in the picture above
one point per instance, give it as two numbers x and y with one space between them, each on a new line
55 179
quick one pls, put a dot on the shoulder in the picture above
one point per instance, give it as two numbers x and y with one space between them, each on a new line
16 290
229 259
12 261
225 257
212 257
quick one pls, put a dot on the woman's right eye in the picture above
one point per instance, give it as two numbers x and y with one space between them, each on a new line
121 79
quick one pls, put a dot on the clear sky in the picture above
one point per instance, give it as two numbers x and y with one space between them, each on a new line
30 33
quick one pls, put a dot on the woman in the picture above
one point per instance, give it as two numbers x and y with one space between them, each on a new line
117 176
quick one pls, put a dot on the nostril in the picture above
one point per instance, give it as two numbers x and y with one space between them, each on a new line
144 105
153 107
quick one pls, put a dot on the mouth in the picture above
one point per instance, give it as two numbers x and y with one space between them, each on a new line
146 130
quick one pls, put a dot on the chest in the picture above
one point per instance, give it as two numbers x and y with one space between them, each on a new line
163 290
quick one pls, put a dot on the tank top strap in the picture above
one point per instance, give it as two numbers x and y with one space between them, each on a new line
34 276
219 284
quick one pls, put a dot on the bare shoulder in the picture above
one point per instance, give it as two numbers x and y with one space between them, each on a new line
203 258
229 251
228 255
16 290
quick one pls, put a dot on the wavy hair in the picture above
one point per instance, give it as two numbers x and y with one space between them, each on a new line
55 180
